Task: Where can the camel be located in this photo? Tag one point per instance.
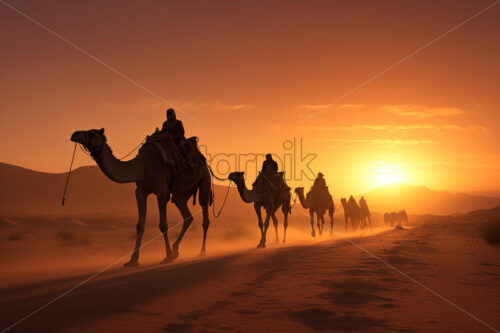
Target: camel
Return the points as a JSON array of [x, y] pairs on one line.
[[152, 176], [403, 216], [319, 208], [270, 198], [364, 213], [396, 218], [351, 211], [387, 219]]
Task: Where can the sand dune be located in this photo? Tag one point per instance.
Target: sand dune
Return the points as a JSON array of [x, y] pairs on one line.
[[307, 285]]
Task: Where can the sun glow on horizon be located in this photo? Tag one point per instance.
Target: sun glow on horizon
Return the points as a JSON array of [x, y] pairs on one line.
[[385, 173]]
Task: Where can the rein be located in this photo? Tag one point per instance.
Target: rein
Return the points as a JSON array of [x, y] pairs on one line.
[[213, 192], [294, 201], [98, 152], [67, 179]]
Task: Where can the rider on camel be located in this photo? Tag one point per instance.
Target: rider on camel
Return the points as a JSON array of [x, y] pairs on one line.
[[319, 183], [270, 172], [174, 127]]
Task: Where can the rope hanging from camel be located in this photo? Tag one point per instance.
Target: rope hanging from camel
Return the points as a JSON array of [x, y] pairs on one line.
[[67, 179], [213, 192], [87, 152], [136, 147], [294, 201]]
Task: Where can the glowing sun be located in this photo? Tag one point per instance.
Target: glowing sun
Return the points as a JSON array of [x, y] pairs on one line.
[[385, 173]]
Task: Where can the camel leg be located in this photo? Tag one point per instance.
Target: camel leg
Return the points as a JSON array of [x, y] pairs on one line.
[[345, 219], [311, 216], [285, 222], [261, 224], [204, 200], [266, 226], [206, 224], [275, 222], [370, 220], [162, 207], [330, 213], [322, 220], [188, 218], [141, 198], [318, 222]]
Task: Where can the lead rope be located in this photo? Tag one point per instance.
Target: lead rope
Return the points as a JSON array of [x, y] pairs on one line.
[[294, 202], [139, 145], [87, 152], [67, 179], [213, 192]]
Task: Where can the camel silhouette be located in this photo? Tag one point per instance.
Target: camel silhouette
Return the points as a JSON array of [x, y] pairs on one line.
[[152, 176], [271, 198], [364, 213], [396, 218], [351, 211], [319, 206]]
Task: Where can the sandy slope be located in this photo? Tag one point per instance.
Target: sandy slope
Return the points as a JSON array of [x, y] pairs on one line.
[[327, 285]]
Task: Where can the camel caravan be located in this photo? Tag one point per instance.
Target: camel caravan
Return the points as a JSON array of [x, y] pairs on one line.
[[396, 218], [356, 214], [171, 167]]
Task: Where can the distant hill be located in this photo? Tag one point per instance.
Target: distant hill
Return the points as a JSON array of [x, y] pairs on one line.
[[24, 191], [422, 200]]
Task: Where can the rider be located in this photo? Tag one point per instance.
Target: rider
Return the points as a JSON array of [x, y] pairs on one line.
[[269, 166], [364, 207], [270, 171], [319, 183], [174, 127]]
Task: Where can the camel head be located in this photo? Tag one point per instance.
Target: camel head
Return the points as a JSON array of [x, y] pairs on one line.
[[91, 139], [299, 190], [343, 201], [237, 177]]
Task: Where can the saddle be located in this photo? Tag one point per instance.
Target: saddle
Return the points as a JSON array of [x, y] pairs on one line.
[[171, 153], [275, 180]]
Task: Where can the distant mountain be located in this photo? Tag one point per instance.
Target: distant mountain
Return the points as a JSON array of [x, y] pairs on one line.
[[422, 200], [24, 191]]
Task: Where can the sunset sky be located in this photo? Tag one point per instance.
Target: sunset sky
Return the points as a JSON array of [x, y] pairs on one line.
[[245, 76]]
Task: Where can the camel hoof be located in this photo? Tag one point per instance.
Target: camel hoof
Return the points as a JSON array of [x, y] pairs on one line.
[[277, 241], [313, 234], [202, 254], [168, 260], [261, 246], [131, 264], [284, 241], [175, 253]]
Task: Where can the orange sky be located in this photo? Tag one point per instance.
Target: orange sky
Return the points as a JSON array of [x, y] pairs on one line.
[[251, 72]]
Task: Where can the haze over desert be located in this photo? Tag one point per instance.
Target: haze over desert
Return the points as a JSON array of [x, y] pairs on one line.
[[249, 166]]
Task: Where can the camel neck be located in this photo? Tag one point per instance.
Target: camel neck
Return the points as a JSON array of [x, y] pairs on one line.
[[245, 194], [303, 201], [116, 170]]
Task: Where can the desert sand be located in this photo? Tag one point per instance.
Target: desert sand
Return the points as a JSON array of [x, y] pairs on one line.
[[352, 282]]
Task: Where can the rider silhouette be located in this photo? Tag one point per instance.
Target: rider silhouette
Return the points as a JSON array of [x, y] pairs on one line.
[[319, 182], [269, 165], [174, 127]]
